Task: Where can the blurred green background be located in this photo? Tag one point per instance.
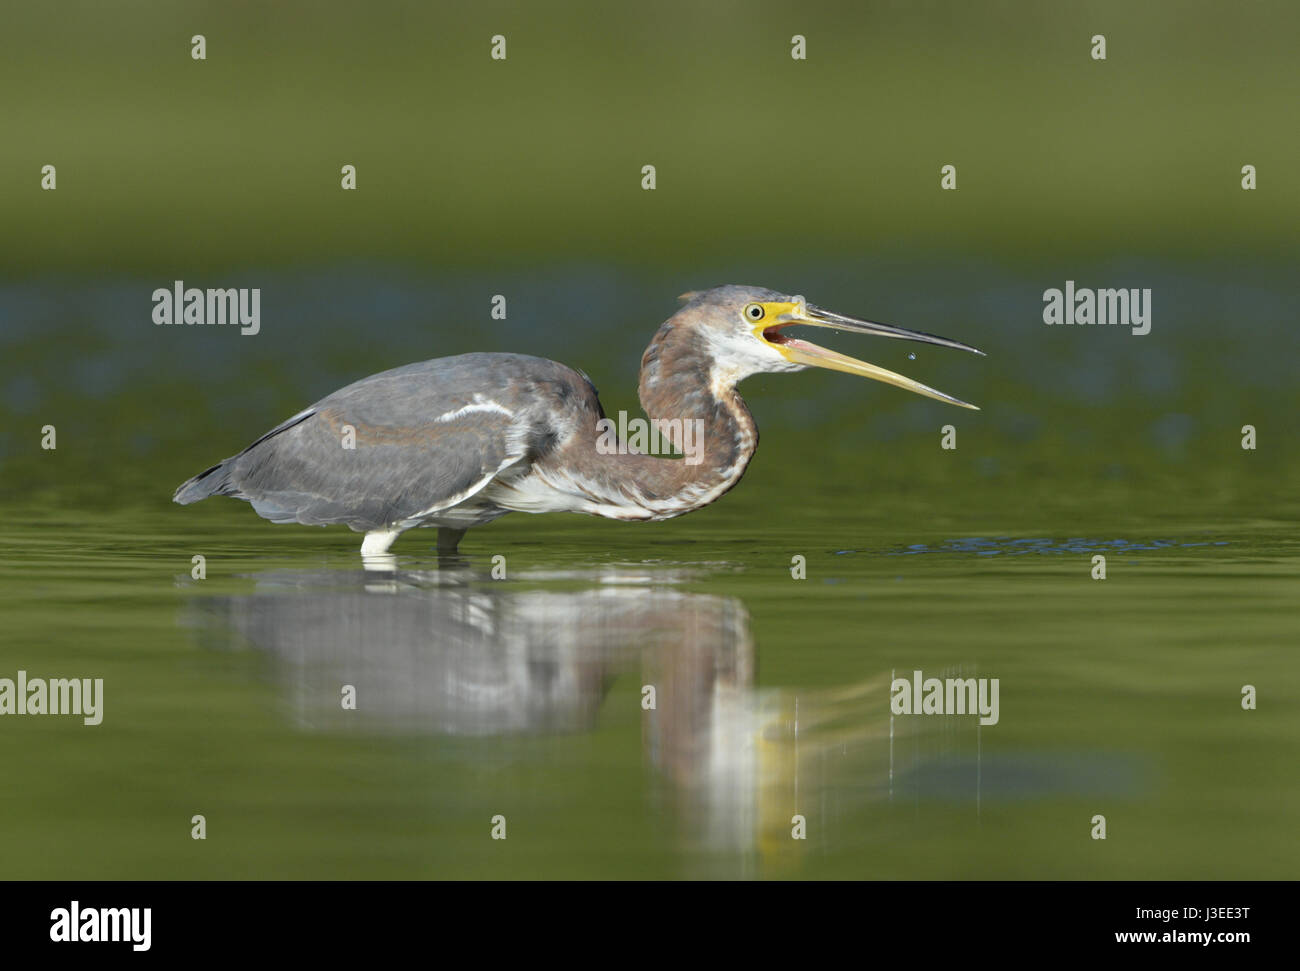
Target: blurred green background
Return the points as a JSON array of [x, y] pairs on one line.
[[168, 163], [523, 178]]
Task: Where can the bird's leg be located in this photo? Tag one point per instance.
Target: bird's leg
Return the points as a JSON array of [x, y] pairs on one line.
[[449, 539], [377, 541]]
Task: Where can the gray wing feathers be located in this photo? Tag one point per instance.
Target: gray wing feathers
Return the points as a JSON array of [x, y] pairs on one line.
[[427, 436], [305, 475]]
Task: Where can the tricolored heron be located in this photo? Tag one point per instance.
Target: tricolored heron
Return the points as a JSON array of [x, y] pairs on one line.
[[459, 441]]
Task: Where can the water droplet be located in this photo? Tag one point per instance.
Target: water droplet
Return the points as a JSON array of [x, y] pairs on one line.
[[911, 357]]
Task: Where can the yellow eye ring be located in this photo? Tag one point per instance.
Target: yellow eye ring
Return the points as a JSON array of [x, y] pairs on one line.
[[755, 311]]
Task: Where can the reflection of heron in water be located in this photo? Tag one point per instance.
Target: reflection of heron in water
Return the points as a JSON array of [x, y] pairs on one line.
[[442, 653], [445, 653]]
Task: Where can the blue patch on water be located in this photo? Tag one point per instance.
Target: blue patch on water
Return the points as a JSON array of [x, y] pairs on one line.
[[1028, 776], [1005, 545]]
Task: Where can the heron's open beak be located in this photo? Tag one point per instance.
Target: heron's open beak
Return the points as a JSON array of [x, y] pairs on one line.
[[781, 315]]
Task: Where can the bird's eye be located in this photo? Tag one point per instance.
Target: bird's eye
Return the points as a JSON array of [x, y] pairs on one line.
[[755, 311]]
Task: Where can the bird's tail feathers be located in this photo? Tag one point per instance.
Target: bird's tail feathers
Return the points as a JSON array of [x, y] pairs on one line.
[[211, 482]]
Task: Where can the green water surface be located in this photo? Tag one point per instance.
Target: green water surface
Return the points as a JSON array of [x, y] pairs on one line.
[[522, 697]]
